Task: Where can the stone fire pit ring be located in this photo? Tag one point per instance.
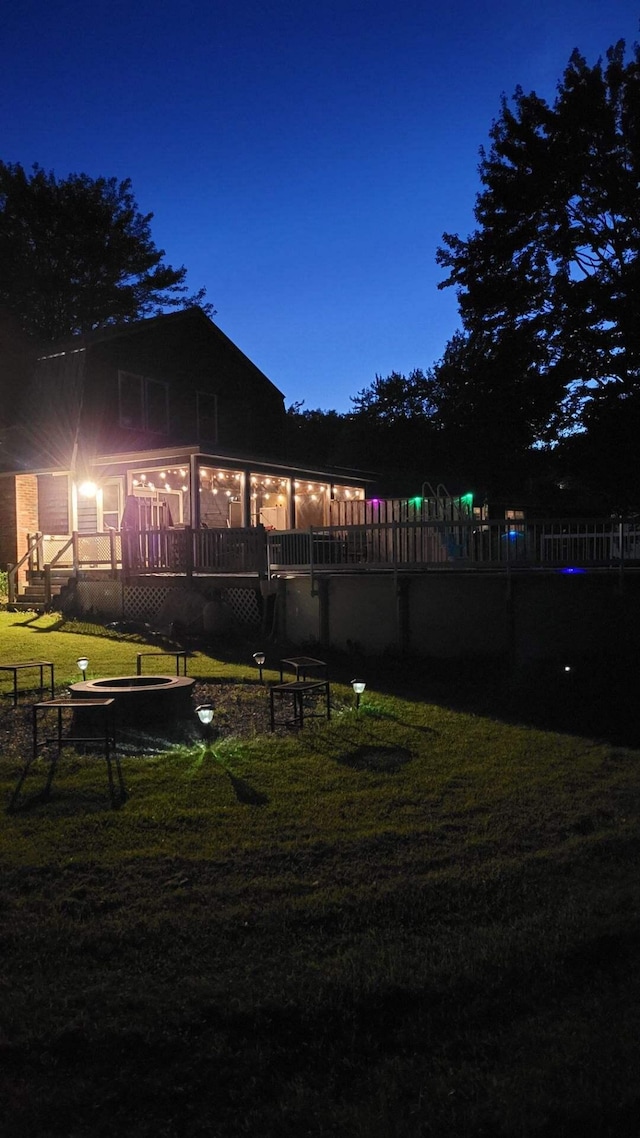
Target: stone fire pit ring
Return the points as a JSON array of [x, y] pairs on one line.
[[141, 699]]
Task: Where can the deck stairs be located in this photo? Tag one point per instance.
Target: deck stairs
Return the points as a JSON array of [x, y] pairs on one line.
[[33, 598]]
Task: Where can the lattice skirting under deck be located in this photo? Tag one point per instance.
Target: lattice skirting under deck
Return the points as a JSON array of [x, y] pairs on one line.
[[110, 599]]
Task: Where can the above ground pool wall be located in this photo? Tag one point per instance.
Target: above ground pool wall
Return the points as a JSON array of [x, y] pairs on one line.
[[520, 617]]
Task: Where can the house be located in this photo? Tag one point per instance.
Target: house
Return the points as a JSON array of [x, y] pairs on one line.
[[163, 423]]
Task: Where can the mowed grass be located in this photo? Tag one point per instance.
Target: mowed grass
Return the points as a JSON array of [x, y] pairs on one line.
[[409, 921]]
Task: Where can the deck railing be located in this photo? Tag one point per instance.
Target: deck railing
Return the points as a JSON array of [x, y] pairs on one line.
[[575, 543], [182, 551], [491, 544]]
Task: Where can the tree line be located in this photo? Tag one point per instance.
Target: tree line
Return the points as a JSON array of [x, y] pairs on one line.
[[536, 394]]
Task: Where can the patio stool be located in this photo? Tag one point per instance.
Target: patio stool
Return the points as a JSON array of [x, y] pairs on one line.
[[291, 702], [20, 665]]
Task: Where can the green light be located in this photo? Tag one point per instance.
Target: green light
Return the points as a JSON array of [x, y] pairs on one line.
[[467, 498], [415, 501]]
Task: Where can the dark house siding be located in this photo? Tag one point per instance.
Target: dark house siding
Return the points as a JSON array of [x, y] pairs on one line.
[[141, 385]]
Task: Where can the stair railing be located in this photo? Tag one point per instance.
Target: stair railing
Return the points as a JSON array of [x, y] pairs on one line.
[[48, 593], [34, 554]]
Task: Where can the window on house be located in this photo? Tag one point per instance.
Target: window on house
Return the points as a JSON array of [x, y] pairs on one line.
[[111, 505], [144, 403], [207, 410], [53, 503]]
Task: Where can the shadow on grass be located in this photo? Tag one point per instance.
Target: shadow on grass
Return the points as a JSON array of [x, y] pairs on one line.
[[244, 792], [386, 760], [35, 616]]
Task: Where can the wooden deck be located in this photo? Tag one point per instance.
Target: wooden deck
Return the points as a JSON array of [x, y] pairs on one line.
[[571, 545]]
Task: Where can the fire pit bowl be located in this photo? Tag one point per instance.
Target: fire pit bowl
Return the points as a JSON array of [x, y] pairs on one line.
[[141, 699]]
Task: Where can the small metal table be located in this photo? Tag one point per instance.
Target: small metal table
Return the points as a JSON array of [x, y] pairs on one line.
[[105, 735], [302, 666], [292, 695], [180, 655], [18, 666]]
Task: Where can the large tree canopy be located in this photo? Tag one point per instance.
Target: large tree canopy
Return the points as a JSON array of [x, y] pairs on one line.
[[77, 254], [549, 282]]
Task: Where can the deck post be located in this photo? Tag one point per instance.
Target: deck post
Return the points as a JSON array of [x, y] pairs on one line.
[[188, 552], [323, 611], [113, 553], [47, 586], [403, 614]]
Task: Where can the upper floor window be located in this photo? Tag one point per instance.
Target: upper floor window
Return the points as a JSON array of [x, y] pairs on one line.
[[144, 403], [207, 409]]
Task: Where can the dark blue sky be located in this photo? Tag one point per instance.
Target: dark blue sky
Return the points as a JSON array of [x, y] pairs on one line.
[[301, 157]]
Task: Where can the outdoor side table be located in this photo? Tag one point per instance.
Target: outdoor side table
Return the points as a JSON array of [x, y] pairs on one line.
[[302, 666], [105, 735], [18, 666], [180, 655], [291, 702]]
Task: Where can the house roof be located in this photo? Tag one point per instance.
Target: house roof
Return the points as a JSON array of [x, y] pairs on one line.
[[230, 460], [192, 315]]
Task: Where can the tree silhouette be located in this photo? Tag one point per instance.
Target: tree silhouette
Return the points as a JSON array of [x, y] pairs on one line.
[[77, 254]]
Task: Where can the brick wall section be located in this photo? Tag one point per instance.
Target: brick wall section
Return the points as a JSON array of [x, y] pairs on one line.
[[26, 507]]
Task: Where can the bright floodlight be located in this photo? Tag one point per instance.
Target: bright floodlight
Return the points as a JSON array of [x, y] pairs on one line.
[[205, 713]]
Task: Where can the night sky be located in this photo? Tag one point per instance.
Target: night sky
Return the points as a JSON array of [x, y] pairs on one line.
[[302, 158]]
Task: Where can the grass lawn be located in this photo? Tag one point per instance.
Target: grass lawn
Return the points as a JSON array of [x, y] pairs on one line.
[[412, 921]]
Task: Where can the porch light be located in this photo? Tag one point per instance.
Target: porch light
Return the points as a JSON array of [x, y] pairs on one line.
[[358, 687], [83, 664], [260, 658], [88, 489]]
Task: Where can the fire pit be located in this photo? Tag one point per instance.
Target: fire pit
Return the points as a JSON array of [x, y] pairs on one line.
[[141, 699]]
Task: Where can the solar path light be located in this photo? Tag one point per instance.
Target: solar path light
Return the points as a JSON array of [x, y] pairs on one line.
[[358, 687]]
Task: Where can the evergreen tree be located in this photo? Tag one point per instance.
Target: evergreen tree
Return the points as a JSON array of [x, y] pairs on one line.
[[78, 254], [549, 282]]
